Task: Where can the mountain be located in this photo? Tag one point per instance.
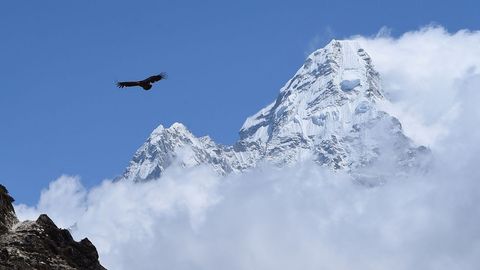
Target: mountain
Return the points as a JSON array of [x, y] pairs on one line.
[[40, 244], [328, 112]]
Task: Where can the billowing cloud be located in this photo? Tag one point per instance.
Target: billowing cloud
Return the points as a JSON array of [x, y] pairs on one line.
[[306, 217], [280, 219], [423, 73]]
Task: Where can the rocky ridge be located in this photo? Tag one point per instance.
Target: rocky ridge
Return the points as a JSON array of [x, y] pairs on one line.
[[40, 244]]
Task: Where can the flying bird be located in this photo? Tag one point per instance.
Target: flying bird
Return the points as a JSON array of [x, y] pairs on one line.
[[145, 84]]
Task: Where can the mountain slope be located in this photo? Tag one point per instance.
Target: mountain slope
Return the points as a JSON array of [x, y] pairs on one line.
[[328, 112]]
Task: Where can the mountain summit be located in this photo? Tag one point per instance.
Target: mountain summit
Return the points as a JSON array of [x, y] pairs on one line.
[[328, 112]]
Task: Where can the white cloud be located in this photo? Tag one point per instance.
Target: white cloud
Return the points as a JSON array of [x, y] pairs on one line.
[[422, 72], [302, 217], [306, 217], [64, 199]]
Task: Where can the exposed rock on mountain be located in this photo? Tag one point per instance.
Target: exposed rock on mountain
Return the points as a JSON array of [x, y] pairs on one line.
[[40, 244], [328, 112]]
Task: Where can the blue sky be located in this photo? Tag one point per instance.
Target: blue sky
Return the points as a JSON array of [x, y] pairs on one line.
[[60, 112]]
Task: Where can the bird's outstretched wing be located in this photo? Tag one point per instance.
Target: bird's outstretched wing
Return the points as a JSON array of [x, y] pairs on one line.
[[127, 84], [156, 78]]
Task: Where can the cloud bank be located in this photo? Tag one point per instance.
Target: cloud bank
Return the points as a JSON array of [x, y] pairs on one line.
[[423, 73], [306, 217]]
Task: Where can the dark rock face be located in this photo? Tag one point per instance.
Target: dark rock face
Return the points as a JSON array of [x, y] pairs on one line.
[[7, 214], [40, 244]]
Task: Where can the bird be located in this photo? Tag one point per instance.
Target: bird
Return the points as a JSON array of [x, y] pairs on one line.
[[145, 84]]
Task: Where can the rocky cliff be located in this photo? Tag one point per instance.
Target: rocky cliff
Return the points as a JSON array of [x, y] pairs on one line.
[[40, 244]]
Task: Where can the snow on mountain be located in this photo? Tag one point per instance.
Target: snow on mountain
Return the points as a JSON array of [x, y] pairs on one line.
[[328, 112], [166, 146]]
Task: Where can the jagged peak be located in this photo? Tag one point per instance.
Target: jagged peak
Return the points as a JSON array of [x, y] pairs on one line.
[[338, 45], [174, 128], [342, 63], [178, 126], [340, 74], [158, 130]]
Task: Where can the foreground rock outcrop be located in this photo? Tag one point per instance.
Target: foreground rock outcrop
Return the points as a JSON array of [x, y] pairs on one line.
[[40, 244]]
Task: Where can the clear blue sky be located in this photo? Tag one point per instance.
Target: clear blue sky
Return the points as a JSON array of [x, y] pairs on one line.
[[60, 112]]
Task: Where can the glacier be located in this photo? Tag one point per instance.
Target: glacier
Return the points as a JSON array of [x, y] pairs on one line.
[[329, 112]]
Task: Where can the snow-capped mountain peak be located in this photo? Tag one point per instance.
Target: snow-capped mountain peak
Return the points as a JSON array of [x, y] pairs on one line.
[[337, 75], [327, 112], [166, 146]]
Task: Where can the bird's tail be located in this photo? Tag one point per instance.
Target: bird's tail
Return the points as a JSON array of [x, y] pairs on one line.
[[164, 75]]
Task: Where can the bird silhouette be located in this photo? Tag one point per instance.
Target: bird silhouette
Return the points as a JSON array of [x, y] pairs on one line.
[[145, 84]]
